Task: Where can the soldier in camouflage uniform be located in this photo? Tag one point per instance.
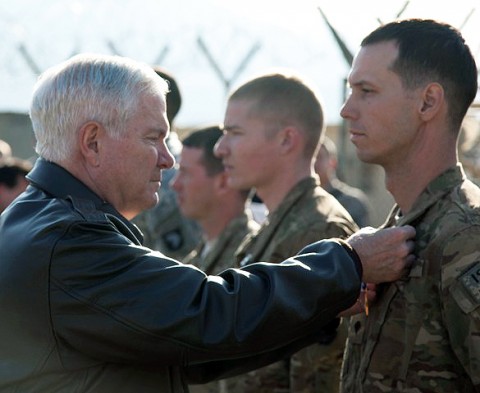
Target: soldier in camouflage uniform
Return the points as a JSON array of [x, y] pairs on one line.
[[203, 194], [272, 130], [221, 254], [164, 227], [353, 199], [412, 83]]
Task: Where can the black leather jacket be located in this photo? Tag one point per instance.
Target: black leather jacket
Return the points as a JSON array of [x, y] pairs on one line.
[[85, 308]]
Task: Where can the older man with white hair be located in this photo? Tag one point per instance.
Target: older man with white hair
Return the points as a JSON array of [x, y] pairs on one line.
[[85, 307]]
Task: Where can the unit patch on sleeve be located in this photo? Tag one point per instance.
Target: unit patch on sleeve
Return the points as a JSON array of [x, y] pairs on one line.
[[471, 281]]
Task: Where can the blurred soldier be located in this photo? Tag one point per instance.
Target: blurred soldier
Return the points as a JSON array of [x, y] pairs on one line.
[[412, 82], [5, 149], [469, 147], [204, 196], [272, 128], [353, 199], [164, 227], [12, 179]]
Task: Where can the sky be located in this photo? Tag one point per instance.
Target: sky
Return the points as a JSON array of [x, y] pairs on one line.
[[244, 38]]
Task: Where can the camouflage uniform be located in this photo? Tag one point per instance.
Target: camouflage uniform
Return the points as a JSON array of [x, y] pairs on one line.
[[220, 257], [306, 215], [353, 199], [422, 334], [166, 229]]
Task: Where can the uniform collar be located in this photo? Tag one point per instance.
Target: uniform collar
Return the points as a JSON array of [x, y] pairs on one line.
[[296, 192], [436, 189]]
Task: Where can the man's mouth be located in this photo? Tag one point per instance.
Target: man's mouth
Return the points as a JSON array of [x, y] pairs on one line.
[[355, 135]]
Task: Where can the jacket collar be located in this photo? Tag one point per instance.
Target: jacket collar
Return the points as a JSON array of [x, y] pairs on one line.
[[58, 182]]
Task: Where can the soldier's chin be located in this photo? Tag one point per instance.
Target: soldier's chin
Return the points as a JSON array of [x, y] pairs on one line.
[[236, 183]]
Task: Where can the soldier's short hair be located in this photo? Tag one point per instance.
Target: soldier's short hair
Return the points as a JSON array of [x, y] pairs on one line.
[[285, 99], [431, 51], [205, 139]]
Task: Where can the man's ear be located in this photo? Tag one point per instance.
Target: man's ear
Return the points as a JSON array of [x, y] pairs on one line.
[[433, 99], [221, 182], [89, 140]]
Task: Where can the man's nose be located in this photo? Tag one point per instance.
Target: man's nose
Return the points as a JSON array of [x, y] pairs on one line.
[[219, 149], [166, 160]]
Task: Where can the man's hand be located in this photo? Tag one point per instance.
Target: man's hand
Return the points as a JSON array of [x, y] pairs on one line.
[[386, 254]]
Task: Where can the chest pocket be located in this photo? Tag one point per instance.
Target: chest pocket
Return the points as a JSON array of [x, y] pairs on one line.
[[383, 343], [396, 329]]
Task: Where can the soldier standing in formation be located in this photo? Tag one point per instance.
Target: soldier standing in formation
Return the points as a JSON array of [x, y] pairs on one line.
[[272, 130], [412, 82]]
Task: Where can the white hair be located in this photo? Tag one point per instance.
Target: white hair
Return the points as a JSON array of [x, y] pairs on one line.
[[86, 88]]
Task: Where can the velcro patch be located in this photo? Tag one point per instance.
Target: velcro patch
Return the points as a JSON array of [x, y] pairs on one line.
[[471, 281], [173, 240]]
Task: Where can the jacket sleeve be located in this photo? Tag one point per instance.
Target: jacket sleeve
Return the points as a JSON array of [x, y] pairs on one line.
[[114, 301]]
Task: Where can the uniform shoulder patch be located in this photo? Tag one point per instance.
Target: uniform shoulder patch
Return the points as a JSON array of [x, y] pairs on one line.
[[470, 281], [173, 240]]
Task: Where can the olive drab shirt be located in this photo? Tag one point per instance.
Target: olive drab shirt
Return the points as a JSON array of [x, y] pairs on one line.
[[353, 199], [166, 229], [222, 254], [220, 257], [422, 333], [306, 215]]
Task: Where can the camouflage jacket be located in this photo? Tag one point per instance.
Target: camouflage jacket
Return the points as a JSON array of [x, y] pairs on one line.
[[353, 199], [222, 254], [166, 229], [220, 257], [306, 215], [423, 333]]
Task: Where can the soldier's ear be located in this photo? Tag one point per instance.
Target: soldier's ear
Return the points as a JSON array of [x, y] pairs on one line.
[[433, 98], [221, 182], [288, 138]]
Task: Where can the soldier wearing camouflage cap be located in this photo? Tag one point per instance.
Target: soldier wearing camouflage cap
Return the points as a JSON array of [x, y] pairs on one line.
[[412, 82]]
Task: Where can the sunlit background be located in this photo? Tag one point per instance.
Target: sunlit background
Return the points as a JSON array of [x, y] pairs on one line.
[[209, 45]]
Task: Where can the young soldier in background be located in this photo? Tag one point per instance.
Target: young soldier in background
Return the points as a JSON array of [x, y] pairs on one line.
[[273, 126]]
